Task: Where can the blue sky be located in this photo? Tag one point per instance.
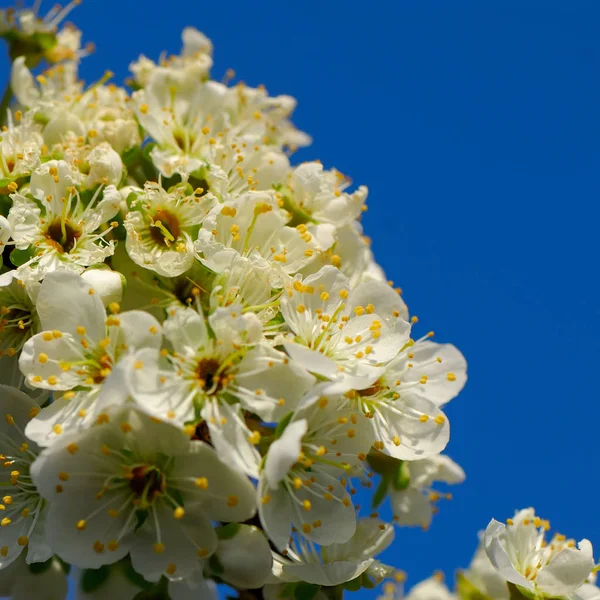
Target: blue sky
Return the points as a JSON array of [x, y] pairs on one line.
[[475, 126]]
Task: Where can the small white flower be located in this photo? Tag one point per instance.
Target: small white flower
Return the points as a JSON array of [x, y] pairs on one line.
[[139, 486], [81, 352], [252, 228], [192, 66], [160, 226], [519, 552], [413, 498], [312, 194], [20, 147], [23, 511], [336, 563], [211, 366], [56, 226], [403, 403], [339, 333], [300, 479]]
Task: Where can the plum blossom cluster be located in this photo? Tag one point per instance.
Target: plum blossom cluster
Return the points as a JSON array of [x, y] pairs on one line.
[[200, 359]]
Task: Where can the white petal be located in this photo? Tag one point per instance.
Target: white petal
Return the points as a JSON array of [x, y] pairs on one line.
[[275, 511], [67, 301], [246, 558], [284, 452], [496, 552], [182, 539], [566, 571]]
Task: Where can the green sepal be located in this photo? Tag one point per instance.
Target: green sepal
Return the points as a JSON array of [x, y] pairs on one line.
[[283, 424], [214, 564], [226, 532], [401, 479], [381, 491], [20, 257], [465, 590], [40, 567], [305, 591], [141, 516]]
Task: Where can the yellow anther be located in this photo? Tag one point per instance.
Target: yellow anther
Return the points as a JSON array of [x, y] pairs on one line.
[[321, 450], [126, 427], [232, 501], [306, 505], [323, 401], [297, 483], [6, 521], [34, 411], [301, 308], [265, 499], [23, 540], [451, 377], [9, 419], [396, 440], [81, 525], [424, 418], [306, 528], [324, 296], [52, 380], [344, 294], [201, 483], [112, 546], [63, 476], [57, 429], [179, 513], [171, 568], [440, 419], [7, 500], [43, 357], [56, 334], [159, 548], [254, 437], [4, 551]]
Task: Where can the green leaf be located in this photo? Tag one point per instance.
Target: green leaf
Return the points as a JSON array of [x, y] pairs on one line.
[[305, 591], [283, 424], [92, 579], [227, 531]]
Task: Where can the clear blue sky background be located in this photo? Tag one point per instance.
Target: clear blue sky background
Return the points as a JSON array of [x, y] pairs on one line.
[[476, 127]]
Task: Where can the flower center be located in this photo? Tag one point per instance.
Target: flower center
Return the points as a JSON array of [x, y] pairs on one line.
[[206, 374], [62, 236], [147, 483], [165, 228]]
